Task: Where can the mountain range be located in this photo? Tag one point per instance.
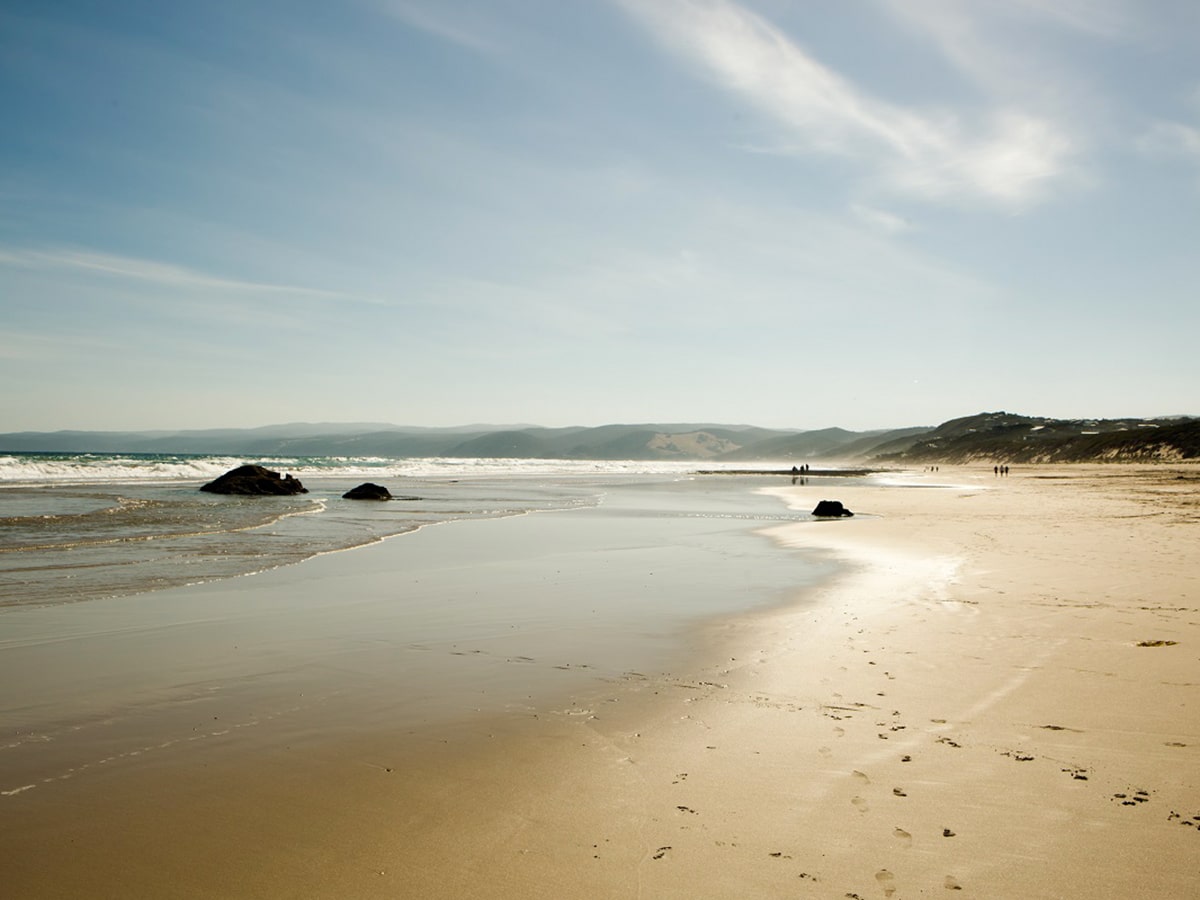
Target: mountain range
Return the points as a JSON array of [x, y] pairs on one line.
[[996, 436]]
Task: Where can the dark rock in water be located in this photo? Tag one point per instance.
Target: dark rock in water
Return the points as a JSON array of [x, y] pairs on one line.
[[368, 491], [255, 481], [831, 509]]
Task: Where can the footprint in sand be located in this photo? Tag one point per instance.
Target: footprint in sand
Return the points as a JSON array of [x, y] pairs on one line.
[[1136, 798], [951, 883], [861, 776], [903, 836], [887, 881], [861, 804]]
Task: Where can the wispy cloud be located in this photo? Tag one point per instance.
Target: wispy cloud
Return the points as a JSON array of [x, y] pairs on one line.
[[437, 22], [1172, 141], [993, 42], [25, 346], [1006, 156], [1102, 18], [880, 219], [163, 274]]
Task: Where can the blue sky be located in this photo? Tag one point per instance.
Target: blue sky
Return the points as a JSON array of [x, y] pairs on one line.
[[779, 212]]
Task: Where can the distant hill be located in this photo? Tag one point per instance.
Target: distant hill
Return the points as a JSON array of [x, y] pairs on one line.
[[996, 437], [698, 441], [609, 441], [827, 443], [1003, 437]]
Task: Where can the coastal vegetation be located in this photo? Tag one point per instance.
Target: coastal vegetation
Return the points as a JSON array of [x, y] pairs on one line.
[[1008, 438]]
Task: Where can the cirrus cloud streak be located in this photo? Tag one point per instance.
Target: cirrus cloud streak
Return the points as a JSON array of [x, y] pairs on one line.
[[1003, 157]]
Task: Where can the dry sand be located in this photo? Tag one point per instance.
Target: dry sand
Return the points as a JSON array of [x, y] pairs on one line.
[[999, 700]]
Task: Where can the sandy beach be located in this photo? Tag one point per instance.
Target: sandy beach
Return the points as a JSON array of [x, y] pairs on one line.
[[998, 697]]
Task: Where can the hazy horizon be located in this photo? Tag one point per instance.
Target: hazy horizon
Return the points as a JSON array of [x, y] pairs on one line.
[[353, 427], [881, 215]]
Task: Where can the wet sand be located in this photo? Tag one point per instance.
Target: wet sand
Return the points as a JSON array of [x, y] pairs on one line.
[[997, 699], [147, 727]]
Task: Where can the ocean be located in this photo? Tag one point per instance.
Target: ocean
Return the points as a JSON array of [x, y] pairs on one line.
[[77, 527]]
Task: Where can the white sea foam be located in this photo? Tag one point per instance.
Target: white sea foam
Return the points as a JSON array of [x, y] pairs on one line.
[[451, 467], [96, 468], [108, 468]]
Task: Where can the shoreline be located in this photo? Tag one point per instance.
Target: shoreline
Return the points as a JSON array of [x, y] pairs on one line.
[[977, 704], [433, 640]]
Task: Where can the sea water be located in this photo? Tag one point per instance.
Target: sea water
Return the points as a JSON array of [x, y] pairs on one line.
[[76, 527], [124, 635]]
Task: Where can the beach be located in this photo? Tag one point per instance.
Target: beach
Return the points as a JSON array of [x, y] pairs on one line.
[[976, 686]]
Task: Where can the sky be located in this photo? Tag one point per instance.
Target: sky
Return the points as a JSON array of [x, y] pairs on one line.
[[786, 213]]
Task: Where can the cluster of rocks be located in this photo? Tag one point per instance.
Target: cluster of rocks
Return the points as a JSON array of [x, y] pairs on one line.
[[258, 481]]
